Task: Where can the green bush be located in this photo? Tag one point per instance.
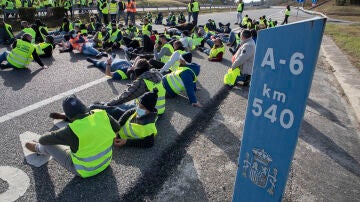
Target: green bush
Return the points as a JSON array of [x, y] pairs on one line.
[[27, 14]]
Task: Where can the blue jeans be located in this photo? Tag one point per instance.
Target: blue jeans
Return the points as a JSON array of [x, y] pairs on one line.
[[88, 49], [3, 56], [232, 37], [130, 15], [117, 64], [242, 77], [195, 17]]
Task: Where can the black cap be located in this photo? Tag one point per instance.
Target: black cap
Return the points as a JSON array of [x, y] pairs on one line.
[[149, 99], [187, 57], [74, 107]]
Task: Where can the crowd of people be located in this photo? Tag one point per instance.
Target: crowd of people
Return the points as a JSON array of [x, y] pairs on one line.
[[158, 66]]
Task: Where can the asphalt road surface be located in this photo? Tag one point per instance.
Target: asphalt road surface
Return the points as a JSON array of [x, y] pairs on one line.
[[27, 98]]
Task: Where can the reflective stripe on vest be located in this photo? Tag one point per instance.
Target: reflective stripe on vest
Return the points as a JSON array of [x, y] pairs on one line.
[[21, 55], [136, 131], [113, 7], [96, 138], [32, 32], [175, 82], [196, 7], [166, 58], [160, 103], [122, 74], [215, 51], [176, 65]]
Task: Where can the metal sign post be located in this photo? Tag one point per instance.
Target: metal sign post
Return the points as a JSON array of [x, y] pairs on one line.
[[284, 66]]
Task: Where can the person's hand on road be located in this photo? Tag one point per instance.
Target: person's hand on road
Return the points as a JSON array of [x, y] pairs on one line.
[[119, 142], [197, 105]]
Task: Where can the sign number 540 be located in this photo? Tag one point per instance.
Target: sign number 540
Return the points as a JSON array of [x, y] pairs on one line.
[[286, 118]]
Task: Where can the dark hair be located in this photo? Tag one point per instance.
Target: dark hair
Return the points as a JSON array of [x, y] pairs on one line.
[[185, 33], [253, 33], [141, 66], [246, 33]]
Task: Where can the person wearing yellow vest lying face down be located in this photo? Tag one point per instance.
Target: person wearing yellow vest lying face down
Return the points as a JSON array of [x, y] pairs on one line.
[[84, 147], [183, 79], [138, 127], [21, 55]]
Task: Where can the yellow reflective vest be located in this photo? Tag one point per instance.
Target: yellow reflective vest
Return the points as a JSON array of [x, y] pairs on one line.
[[240, 7], [7, 28], [113, 7], [113, 35], [160, 103], [175, 82], [41, 46], [175, 66], [136, 131], [231, 75], [30, 31], [21, 56], [145, 29], [196, 7], [215, 51], [287, 12], [166, 58], [96, 138]]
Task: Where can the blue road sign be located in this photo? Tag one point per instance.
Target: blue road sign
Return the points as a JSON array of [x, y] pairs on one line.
[[300, 1], [284, 66], [314, 1]]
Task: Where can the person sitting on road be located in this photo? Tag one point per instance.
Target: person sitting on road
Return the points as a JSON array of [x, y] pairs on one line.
[[27, 28], [80, 43], [21, 55], [159, 18], [89, 138], [173, 63], [186, 40], [6, 33], [217, 49], [138, 128], [41, 31], [171, 20], [183, 79], [181, 18], [99, 36], [45, 49], [242, 62], [163, 56], [144, 80], [112, 40]]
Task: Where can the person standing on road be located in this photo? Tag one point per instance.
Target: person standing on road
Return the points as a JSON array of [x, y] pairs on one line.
[[121, 11], [189, 9], [130, 11], [240, 10], [195, 11], [287, 14], [242, 61], [22, 54], [89, 136]]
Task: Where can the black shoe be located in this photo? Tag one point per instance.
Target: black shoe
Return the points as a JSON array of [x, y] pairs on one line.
[[91, 60], [103, 54]]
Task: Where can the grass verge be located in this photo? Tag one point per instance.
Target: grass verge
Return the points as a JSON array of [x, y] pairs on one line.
[[347, 37]]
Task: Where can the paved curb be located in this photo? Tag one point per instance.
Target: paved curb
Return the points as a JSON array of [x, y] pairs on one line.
[[346, 74]]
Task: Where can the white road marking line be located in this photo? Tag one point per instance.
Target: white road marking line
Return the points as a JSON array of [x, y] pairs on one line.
[[17, 180], [42, 103]]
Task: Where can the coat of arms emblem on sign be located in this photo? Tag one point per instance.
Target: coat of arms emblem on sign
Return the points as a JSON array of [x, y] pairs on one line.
[[257, 168]]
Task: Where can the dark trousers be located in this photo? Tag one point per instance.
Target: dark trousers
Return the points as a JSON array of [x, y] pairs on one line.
[[285, 20], [195, 17], [106, 19], [156, 64]]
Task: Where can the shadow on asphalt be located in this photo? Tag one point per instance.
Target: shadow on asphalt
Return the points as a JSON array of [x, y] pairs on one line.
[[17, 78], [45, 189], [325, 112], [314, 137]]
